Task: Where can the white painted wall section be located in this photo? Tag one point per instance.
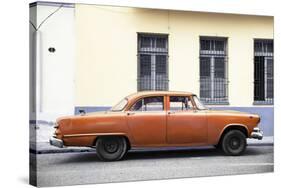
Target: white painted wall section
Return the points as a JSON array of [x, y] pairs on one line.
[[55, 71]]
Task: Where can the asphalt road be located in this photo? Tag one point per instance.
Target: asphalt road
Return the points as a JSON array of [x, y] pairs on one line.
[[85, 168]]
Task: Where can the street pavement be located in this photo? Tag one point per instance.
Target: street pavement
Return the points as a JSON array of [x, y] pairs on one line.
[[70, 168]]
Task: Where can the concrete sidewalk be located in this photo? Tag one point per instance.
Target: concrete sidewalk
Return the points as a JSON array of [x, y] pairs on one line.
[[267, 140], [45, 147]]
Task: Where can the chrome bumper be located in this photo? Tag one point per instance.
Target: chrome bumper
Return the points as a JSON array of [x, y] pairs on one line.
[[56, 142], [257, 133]]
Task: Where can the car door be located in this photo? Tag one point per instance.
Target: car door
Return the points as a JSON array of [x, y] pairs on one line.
[[147, 121], [185, 124]]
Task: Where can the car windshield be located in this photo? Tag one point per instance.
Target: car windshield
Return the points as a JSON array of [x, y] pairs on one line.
[[120, 106], [199, 104]]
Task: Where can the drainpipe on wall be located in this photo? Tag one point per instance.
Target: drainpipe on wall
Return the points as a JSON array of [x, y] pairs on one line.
[[39, 72]]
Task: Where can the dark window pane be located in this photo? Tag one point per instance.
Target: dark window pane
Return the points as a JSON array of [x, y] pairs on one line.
[[259, 79], [161, 72], [269, 78], [146, 42], [269, 68], [219, 77], [219, 88], [270, 88], [219, 67], [216, 45], [219, 45], [270, 46], [160, 42], [258, 46], [144, 80], [205, 44], [205, 88], [205, 67], [205, 77], [145, 65], [161, 64], [263, 46]]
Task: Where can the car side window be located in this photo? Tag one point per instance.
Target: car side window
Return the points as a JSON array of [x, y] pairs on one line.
[[180, 103], [149, 104]]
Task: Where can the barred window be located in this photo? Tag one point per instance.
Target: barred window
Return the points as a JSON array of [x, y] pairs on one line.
[[152, 62], [213, 70], [263, 71]]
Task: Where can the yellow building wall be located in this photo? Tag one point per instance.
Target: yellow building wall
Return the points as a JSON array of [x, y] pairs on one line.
[[106, 50]]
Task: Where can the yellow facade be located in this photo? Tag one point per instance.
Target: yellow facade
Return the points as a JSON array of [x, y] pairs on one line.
[[106, 50]]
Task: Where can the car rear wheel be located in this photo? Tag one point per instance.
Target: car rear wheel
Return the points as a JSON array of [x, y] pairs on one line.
[[234, 142], [111, 148]]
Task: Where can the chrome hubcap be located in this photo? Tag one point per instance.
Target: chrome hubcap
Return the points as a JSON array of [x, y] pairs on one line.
[[110, 146], [234, 143]]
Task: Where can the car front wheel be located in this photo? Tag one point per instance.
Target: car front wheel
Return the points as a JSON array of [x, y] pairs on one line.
[[234, 142], [111, 148]]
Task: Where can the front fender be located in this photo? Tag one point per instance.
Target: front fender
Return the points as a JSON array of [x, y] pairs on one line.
[[233, 126]]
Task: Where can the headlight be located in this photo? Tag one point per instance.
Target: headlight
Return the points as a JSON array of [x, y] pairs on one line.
[[259, 120]]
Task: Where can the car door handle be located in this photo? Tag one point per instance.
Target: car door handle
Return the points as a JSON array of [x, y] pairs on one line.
[[170, 112], [130, 113]]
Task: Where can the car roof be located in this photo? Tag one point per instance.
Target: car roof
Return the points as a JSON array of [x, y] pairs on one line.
[[153, 93]]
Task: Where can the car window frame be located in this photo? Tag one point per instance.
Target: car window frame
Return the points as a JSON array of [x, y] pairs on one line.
[[140, 98], [124, 107], [193, 107], [195, 104]]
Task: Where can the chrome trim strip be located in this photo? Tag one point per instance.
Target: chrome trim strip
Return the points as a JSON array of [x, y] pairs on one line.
[[256, 129], [91, 134]]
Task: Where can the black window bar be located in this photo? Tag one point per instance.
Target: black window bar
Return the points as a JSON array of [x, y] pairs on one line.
[[213, 70], [152, 62], [263, 71]]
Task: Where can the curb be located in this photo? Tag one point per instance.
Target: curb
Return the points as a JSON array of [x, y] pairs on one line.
[[261, 144], [61, 151]]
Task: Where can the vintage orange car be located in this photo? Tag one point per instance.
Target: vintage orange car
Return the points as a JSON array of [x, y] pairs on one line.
[[157, 119]]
